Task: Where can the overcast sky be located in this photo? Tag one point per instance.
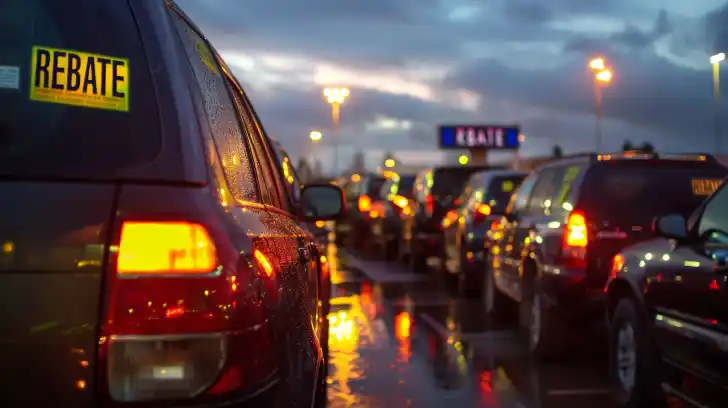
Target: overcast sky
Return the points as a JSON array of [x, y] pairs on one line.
[[411, 64]]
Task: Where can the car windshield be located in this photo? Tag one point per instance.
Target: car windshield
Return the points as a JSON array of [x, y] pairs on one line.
[[499, 192]]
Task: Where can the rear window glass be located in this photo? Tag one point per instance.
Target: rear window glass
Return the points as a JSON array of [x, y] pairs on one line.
[[374, 187], [406, 186], [643, 190], [500, 190], [450, 181], [76, 96]]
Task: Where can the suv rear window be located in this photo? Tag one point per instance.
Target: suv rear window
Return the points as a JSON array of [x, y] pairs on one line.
[[640, 190], [406, 185], [500, 190], [450, 181], [76, 96], [374, 187]]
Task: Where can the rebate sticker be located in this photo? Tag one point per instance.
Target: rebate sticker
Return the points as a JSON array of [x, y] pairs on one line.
[[705, 187], [80, 79]]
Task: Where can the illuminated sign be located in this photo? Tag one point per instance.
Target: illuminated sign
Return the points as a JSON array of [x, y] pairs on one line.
[[478, 137]]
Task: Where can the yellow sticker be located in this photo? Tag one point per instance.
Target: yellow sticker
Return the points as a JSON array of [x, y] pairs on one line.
[[206, 56], [80, 79], [507, 186], [705, 187]]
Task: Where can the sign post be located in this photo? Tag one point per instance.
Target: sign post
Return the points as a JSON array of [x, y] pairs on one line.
[[479, 139]]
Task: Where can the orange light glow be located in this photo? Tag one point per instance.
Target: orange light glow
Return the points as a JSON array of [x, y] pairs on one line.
[[365, 203], [175, 247], [173, 312], [263, 262], [604, 76], [576, 235], [403, 325], [617, 264], [400, 201], [484, 209], [597, 64], [320, 224]]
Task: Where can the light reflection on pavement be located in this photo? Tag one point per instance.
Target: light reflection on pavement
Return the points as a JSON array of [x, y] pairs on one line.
[[397, 341]]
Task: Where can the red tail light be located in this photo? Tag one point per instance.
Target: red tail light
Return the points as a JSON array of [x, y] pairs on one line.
[[576, 230], [182, 319], [576, 239], [429, 204], [365, 203]]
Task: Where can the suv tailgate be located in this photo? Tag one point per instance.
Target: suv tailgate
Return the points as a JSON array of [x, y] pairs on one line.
[[53, 238]]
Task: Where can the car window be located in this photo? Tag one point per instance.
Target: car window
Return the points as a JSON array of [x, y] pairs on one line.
[[519, 200], [544, 190], [499, 191], [221, 112], [292, 182], [715, 214], [264, 160], [59, 115], [567, 188], [405, 186]]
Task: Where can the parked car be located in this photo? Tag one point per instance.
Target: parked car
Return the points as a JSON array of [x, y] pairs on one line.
[[150, 255], [437, 191], [362, 195], [465, 227], [387, 221], [667, 305], [565, 224]]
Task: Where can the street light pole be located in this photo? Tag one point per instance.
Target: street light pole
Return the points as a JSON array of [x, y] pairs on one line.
[[335, 97], [602, 77], [716, 60]]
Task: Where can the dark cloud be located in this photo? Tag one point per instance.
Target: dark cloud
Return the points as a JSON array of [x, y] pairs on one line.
[[717, 29]]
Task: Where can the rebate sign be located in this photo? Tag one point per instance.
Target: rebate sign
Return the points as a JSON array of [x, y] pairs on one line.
[[479, 137]]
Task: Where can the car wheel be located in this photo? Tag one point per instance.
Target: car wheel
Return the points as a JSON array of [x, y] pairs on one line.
[[546, 334], [634, 359]]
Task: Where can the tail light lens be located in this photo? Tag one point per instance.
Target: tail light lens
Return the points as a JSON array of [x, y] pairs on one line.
[[365, 203], [576, 238], [617, 264], [480, 214], [429, 204], [178, 323]]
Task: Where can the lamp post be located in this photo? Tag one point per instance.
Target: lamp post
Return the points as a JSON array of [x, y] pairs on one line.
[[335, 97], [602, 77], [716, 60]]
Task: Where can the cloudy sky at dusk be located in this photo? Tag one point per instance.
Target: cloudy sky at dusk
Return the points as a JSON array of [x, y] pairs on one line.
[[411, 64]]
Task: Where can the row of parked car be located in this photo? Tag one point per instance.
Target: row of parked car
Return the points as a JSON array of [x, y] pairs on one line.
[[631, 244]]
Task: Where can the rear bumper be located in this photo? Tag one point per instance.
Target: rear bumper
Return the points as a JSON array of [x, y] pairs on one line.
[[570, 294]]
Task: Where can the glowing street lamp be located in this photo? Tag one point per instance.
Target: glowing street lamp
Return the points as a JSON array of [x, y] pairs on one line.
[[597, 64], [604, 76], [315, 136], [389, 163], [335, 97], [463, 159]]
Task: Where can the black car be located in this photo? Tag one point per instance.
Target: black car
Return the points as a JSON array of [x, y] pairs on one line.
[[437, 191], [565, 224], [466, 227], [151, 254], [397, 191], [667, 305]]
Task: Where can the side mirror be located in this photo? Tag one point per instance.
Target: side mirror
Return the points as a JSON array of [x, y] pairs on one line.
[[672, 226], [322, 202]]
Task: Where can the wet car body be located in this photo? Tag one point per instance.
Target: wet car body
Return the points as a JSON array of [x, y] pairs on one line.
[[565, 224], [668, 296], [386, 227], [466, 228], [149, 256]]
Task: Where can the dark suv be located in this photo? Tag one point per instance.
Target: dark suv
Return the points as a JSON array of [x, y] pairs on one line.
[[150, 253], [566, 222], [437, 191]]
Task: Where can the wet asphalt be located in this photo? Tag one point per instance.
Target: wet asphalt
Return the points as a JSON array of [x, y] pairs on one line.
[[398, 339]]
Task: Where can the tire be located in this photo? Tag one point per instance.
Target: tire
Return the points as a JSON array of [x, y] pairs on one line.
[[547, 335], [645, 390]]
